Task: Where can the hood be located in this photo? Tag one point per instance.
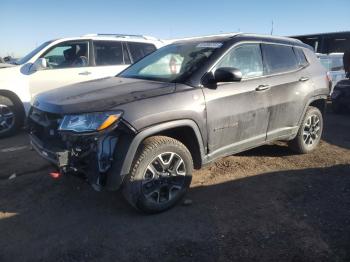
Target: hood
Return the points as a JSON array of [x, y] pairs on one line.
[[99, 95], [4, 65]]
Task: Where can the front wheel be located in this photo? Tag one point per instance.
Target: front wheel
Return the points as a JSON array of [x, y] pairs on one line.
[[160, 176], [11, 115], [310, 132]]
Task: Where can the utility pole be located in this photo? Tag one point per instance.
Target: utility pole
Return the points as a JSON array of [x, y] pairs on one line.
[[271, 27]]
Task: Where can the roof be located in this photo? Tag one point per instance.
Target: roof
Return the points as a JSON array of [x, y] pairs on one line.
[[124, 36], [228, 36], [224, 35], [119, 37], [323, 34], [273, 37]]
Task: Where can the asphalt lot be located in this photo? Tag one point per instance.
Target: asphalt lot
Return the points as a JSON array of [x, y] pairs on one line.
[[267, 204]]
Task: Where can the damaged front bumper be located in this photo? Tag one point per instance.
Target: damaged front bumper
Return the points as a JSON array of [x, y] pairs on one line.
[[56, 156], [97, 156]]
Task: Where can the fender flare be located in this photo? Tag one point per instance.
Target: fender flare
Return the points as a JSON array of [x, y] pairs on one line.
[[128, 149], [312, 99], [154, 130]]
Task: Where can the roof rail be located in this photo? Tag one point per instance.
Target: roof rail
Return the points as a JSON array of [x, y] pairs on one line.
[[124, 36], [206, 36], [275, 37]]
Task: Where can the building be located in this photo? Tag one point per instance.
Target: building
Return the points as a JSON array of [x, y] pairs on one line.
[[326, 43]]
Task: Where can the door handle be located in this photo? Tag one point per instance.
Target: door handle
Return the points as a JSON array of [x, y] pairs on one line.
[[303, 79], [85, 73], [262, 87]]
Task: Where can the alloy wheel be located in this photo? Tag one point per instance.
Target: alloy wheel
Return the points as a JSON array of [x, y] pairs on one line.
[[7, 118], [311, 130], [164, 178]]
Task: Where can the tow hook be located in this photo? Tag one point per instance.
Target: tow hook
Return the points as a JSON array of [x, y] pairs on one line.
[[55, 175]]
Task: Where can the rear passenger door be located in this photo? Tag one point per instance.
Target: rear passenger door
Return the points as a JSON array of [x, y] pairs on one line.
[[110, 58], [287, 79]]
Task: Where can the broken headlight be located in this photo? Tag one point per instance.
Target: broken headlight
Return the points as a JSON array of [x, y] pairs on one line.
[[89, 122]]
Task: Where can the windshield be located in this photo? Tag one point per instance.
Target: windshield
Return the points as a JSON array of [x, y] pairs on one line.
[[26, 58], [172, 63]]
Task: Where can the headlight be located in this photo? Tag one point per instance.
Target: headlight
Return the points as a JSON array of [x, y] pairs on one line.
[[90, 122]]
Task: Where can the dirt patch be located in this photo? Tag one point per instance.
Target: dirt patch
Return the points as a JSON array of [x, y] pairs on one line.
[[267, 204]]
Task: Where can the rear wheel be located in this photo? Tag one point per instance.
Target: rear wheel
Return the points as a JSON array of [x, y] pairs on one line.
[[11, 115], [310, 132], [160, 176]]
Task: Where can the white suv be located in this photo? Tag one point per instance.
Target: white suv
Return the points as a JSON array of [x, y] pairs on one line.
[[63, 62]]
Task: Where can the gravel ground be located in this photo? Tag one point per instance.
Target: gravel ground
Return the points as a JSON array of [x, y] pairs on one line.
[[266, 204]]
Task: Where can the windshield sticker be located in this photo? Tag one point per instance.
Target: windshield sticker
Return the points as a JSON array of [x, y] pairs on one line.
[[210, 45]]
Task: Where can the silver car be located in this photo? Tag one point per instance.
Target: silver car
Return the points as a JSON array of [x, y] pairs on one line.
[[334, 64]]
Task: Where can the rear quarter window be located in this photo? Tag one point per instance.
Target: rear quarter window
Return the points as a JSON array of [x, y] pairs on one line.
[[140, 50], [299, 53], [279, 58]]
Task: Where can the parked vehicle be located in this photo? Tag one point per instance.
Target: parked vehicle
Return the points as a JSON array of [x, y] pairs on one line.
[[341, 97], [5, 65], [334, 65], [63, 62], [179, 108]]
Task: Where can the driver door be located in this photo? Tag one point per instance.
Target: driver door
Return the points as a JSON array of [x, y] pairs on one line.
[[237, 112], [67, 63]]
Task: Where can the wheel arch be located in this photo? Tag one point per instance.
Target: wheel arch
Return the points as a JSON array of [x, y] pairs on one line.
[[319, 102], [186, 131], [15, 99]]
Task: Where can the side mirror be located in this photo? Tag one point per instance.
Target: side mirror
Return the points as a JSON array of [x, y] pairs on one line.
[[227, 74], [39, 64]]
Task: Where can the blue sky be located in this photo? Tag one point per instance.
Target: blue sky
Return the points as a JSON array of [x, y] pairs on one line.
[[27, 23]]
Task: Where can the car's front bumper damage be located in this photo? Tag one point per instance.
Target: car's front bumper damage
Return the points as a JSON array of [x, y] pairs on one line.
[[96, 156], [56, 156]]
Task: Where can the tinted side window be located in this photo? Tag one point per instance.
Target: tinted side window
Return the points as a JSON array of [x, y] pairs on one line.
[[279, 58], [140, 50], [246, 58], [300, 57], [108, 53]]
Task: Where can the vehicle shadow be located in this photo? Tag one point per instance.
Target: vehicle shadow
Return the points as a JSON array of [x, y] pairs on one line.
[[293, 215], [277, 149], [336, 132]]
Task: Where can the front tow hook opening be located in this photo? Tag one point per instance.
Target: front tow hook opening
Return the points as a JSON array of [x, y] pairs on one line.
[[55, 175]]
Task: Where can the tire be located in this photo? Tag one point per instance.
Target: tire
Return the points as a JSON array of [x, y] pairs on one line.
[[309, 133], [160, 176], [11, 115]]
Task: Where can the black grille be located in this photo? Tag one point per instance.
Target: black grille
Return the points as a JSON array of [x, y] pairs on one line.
[[44, 126]]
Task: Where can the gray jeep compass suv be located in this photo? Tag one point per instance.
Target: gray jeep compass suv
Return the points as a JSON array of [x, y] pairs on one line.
[[179, 108]]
